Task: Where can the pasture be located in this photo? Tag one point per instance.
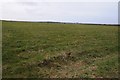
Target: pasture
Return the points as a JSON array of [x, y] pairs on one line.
[[55, 50]]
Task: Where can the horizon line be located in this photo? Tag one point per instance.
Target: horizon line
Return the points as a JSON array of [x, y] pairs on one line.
[[61, 22]]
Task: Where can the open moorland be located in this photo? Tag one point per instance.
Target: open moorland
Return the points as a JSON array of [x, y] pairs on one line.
[[56, 50]]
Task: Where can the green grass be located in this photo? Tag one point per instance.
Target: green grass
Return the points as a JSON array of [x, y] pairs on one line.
[[41, 50]]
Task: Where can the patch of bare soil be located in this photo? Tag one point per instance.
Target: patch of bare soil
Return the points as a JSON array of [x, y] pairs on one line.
[[65, 65], [57, 61]]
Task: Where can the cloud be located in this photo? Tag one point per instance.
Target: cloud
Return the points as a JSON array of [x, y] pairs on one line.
[[88, 12], [59, 0], [28, 3]]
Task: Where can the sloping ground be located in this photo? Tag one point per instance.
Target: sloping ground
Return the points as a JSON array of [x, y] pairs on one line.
[[59, 50]]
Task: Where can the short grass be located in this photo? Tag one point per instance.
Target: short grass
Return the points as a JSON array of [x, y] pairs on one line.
[[53, 50]]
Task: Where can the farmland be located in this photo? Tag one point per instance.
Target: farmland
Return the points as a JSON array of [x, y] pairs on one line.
[[55, 50]]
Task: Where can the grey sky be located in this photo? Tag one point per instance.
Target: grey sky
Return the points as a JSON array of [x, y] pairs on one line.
[[82, 11]]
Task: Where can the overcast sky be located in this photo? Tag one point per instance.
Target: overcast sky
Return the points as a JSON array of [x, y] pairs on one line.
[[82, 11]]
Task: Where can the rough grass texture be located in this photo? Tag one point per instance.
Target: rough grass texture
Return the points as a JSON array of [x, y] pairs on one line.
[[53, 50]]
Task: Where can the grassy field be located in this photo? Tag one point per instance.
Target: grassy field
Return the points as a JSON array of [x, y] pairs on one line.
[[54, 50]]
